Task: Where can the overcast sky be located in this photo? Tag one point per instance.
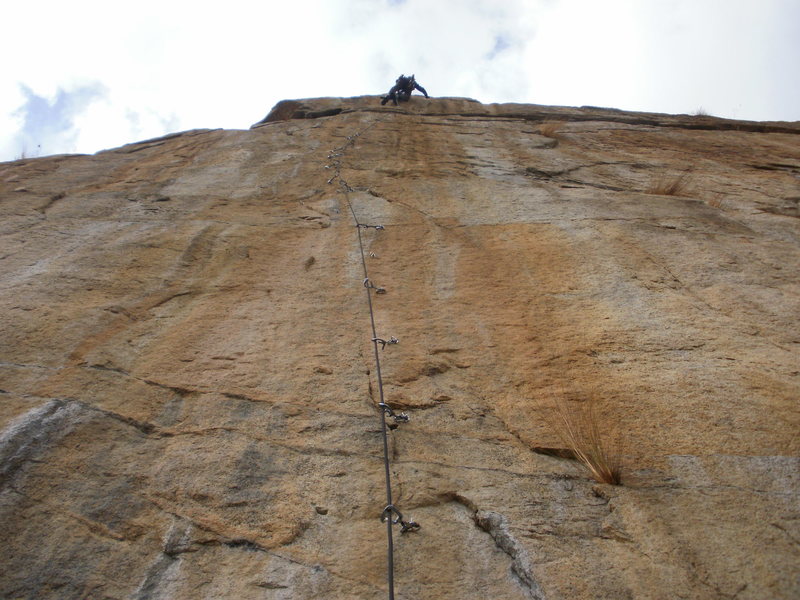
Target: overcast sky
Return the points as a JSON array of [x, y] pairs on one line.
[[85, 75]]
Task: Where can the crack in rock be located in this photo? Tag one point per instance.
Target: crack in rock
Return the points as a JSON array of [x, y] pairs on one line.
[[496, 526], [179, 540], [158, 576]]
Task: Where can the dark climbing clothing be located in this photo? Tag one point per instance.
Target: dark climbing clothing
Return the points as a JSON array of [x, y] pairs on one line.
[[401, 90]]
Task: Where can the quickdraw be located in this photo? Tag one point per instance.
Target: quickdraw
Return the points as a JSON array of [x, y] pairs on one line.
[[405, 526]]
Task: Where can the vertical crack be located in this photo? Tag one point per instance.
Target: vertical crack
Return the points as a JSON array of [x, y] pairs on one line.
[[176, 541], [496, 526]]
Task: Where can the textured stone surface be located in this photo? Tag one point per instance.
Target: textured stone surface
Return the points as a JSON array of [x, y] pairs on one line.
[[187, 391]]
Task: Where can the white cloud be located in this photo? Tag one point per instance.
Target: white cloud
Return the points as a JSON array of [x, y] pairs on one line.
[[48, 125], [176, 65], [585, 53], [729, 57]]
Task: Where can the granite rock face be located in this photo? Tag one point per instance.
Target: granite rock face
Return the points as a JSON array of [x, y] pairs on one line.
[[188, 395]]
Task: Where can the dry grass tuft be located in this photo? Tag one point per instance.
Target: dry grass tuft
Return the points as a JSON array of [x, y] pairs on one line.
[[718, 202], [591, 439], [551, 129], [671, 185]]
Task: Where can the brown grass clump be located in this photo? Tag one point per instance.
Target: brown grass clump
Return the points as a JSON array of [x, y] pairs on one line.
[[551, 129], [671, 185], [718, 202], [590, 438]]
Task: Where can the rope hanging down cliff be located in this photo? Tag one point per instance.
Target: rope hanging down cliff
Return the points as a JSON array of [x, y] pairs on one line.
[[391, 515]]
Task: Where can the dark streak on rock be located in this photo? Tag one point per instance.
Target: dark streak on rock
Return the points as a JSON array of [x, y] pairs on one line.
[[171, 297], [53, 199], [557, 452]]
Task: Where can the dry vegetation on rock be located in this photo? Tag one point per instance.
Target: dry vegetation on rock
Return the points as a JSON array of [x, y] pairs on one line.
[[551, 129], [591, 437], [671, 184]]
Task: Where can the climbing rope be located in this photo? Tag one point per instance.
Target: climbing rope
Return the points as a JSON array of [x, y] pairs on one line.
[[390, 515]]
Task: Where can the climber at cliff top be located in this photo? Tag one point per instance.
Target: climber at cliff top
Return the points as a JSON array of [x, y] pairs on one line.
[[401, 90]]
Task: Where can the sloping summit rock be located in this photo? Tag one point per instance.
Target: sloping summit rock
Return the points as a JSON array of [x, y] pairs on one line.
[[188, 395]]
